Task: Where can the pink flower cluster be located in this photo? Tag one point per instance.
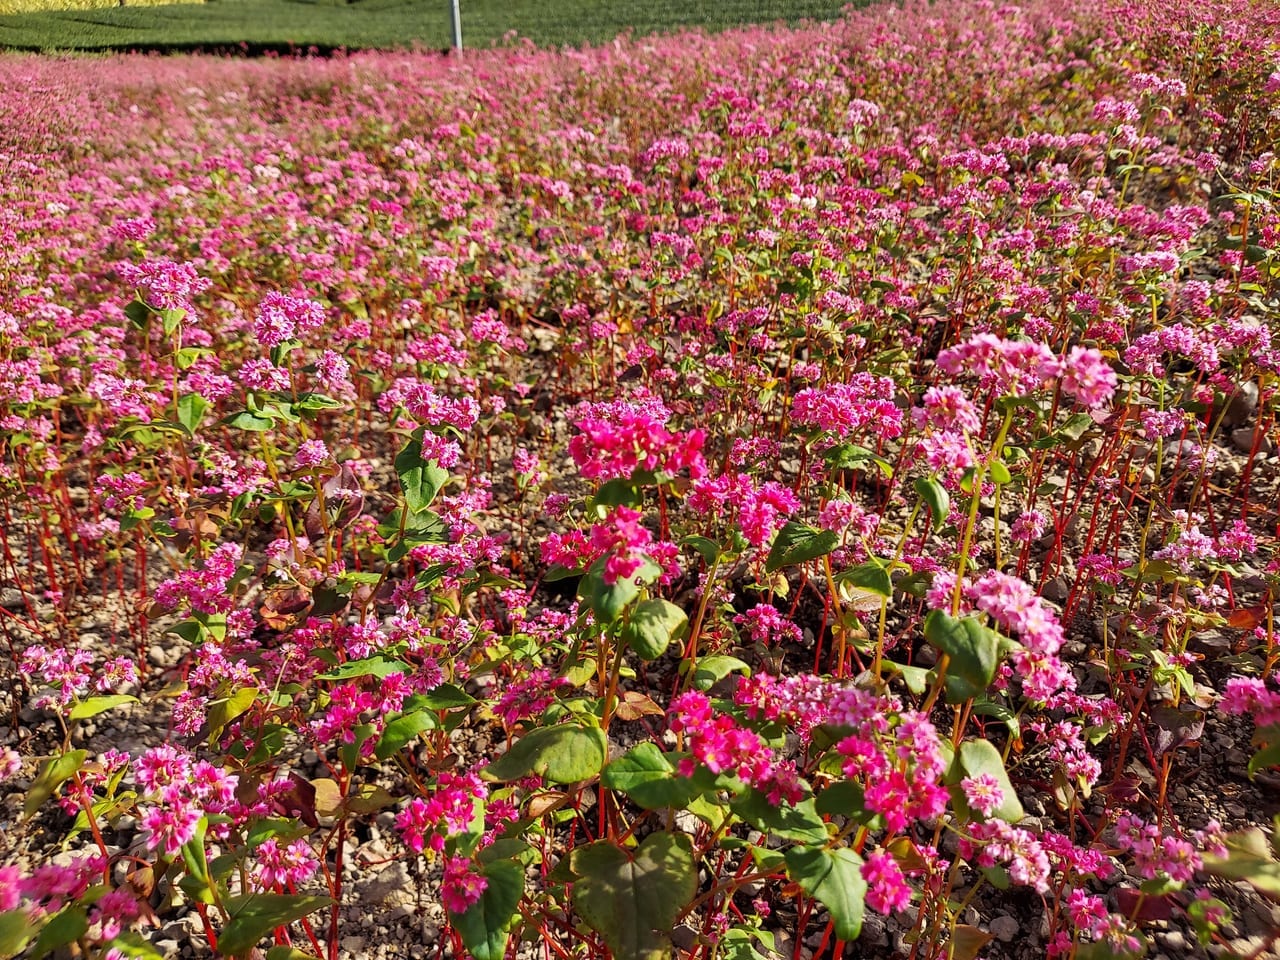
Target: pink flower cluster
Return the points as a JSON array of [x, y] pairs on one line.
[[1017, 367], [865, 403], [281, 317], [449, 811], [718, 743], [615, 440], [203, 590]]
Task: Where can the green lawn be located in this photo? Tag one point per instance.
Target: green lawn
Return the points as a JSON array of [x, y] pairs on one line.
[[328, 24]]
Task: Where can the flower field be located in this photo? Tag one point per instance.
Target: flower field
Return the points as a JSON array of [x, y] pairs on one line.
[[794, 493]]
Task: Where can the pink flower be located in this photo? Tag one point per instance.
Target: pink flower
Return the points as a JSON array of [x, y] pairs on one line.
[[982, 793], [887, 888], [461, 886]]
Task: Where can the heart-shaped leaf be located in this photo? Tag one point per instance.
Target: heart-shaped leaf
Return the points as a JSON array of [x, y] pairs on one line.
[[834, 878], [565, 753], [485, 925], [797, 542], [646, 776], [651, 627], [633, 902], [255, 915]]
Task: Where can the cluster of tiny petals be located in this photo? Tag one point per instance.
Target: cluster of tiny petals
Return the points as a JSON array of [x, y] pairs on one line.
[[865, 403], [719, 743], [281, 317], [1251, 697], [615, 440], [428, 822]]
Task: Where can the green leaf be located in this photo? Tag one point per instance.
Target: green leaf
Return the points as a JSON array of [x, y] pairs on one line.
[[935, 496], [565, 753], [799, 822], [1249, 857], [67, 926], [15, 931], [420, 479], [608, 600], [191, 408], [646, 776], [1268, 756], [96, 705], [171, 319], [798, 542], [973, 651], [443, 697], [369, 667], [980, 756], [138, 312], [616, 492], [249, 421], [872, 575], [652, 626], [1071, 430], [999, 471], [53, 773], [834, 879], [706, 548], [844, 798], [634, 902], [401, 730], [485, 925], [226, 709], [255, 915], [711, 670], [283, 952], [850, 456]]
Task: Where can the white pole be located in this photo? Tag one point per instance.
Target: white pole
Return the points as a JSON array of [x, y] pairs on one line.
[[455, 20]]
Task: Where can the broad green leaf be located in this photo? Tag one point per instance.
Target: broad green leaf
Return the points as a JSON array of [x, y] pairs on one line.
[[249, 421], [707, 548], [651, 627], [999, 471], [67, 926], [369, 667], [634, 902], [799, 822], [1071, 430], [402, 729], [225, 709], [646, 776], [617, 492], [15, 931], [420, 479], [935, 496], [844, 798], [872, 575], [255, 915], [283, 952], [96, 705], [565, 753], [1268, 756], [53, 773], [973, 651], [1249, 857], [191, 408], [980, 756], [798, 542], [608, 600], [485, 925], [443, 697], [711, 670], [834, 879]]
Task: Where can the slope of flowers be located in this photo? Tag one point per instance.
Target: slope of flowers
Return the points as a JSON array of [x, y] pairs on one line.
[[795, 457]]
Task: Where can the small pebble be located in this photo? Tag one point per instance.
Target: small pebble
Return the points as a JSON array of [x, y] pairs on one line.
[[1005, 928]]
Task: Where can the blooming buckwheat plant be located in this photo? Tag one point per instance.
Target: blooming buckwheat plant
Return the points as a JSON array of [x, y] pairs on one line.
[[799, 492]]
